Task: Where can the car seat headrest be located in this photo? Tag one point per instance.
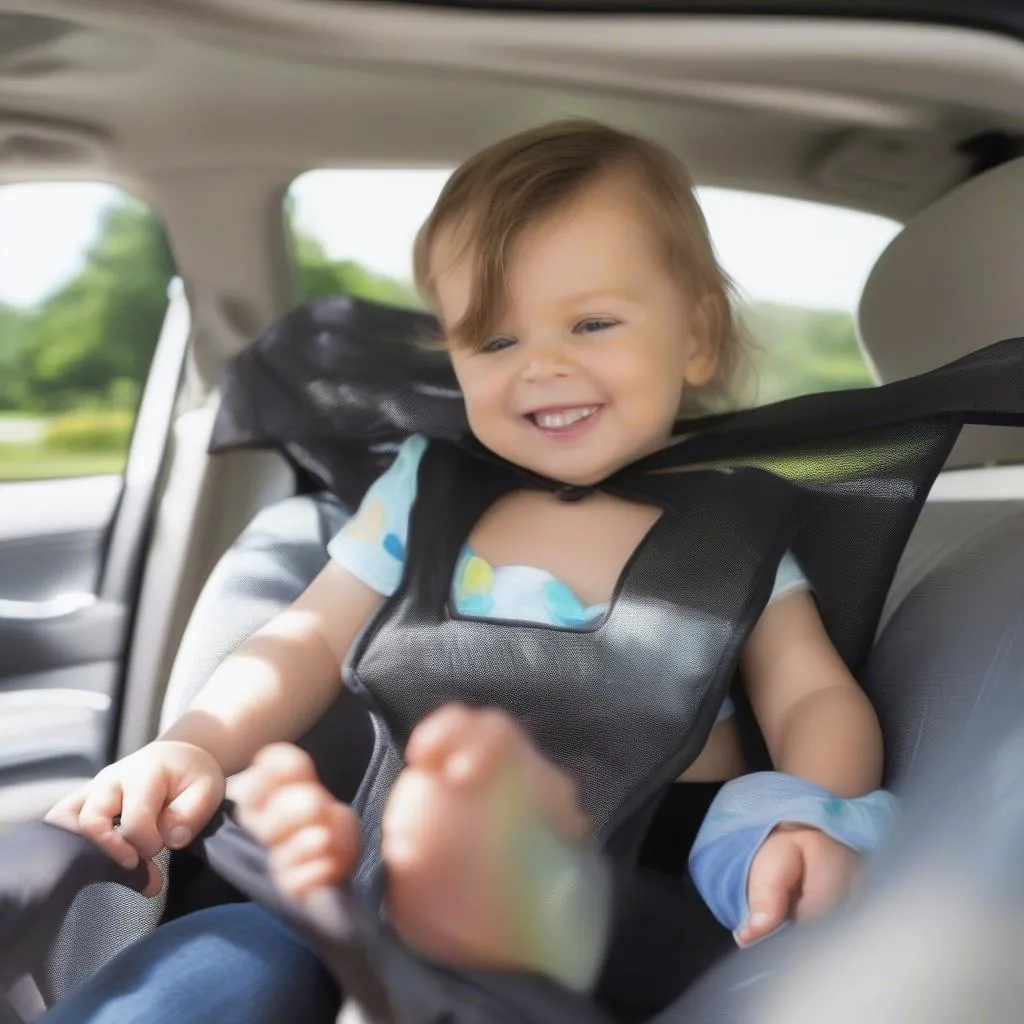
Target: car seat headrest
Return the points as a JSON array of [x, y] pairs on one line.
[[948, 284]]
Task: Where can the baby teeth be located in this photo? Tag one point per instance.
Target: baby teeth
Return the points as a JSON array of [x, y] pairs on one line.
[[558, 420]]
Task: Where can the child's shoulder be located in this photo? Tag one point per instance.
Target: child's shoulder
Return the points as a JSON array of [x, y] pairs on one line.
[[412, 448], [396, 488], [407, 461], [371, 545]]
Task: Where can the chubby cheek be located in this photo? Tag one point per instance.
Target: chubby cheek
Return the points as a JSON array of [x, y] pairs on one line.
[[487, 403], [486, 420], [645, 391]]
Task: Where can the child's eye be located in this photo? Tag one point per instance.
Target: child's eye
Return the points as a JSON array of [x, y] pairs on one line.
[[593, 324], [497, 344]]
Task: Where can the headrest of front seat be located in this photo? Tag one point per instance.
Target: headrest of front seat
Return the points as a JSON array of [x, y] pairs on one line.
[[953, 281]]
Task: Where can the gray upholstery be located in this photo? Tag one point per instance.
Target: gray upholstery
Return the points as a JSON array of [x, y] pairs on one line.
[[943, 529], [946, 646], [269, 565]]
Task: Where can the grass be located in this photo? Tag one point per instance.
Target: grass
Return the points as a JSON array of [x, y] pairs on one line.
[[31, 462]]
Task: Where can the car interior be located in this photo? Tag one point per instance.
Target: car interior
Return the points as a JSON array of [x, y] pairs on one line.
[[120, 593]]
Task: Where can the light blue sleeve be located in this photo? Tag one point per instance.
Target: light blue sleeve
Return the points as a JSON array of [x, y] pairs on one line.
[[788, 578], [745, 812], [371, 545]]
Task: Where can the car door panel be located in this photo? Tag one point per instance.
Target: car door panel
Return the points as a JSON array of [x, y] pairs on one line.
[[44, 733], [60, 645], [52, 536], [70, 553], [35, 642], [33, 569]]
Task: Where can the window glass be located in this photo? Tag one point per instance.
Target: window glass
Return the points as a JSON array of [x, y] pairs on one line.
[[800, 267], [84, 272], [353, 231]]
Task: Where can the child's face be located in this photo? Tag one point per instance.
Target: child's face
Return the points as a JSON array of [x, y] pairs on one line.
[[585, 370]]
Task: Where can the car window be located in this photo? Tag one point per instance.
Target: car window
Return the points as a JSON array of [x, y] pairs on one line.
[[84, 274], [799, 267]]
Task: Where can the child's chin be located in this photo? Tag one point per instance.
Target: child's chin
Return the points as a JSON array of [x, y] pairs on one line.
[[556, 461], [573, 471]]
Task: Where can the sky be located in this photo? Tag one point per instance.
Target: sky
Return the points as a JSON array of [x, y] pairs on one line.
[[776, 249]]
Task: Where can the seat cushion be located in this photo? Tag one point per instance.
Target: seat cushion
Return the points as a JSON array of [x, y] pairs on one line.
[[942, 530], [955, 614]]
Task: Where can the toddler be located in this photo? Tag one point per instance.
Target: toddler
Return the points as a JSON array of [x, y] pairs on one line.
[[583, 309]]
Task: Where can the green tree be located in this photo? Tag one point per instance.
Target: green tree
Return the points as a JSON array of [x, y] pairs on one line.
[[799, 351], [102, 326], [317, 275], [91, 341], [13, 327]]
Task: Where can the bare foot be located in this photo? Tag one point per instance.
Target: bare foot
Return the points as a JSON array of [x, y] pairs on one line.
[[312, 840], [485, 847]]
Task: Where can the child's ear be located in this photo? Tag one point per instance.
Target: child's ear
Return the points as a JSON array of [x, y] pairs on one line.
[[702, 359]]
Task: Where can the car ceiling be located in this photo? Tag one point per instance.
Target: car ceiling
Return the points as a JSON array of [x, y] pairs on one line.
[[1000, 15], [864, 113]]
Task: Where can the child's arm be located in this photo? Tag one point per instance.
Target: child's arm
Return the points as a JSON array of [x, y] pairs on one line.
[[816, 720], [273, 687], [283, 678], [785, 843], [819, 726]]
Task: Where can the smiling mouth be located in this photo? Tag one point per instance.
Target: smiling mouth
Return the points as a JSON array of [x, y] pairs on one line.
[[564, 421]]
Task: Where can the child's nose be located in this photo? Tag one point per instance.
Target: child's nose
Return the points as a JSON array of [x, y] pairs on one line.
[[545, 363]]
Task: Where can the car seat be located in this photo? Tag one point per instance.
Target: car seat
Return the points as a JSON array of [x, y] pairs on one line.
[[936, 937], [950, 610], [270, 564]]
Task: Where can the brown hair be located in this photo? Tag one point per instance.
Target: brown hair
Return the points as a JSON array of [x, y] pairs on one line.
[[504, 189]]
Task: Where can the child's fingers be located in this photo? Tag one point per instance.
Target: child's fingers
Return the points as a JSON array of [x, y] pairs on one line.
[[336, 838], [492, 737], [281, 763], [101, 807], [299, 881], [274, 766], [286, 810], [285, 762], [829, 869], [189, 810], [143, 799], [98, 827], [65, 813], [775, 877], [433, 739]]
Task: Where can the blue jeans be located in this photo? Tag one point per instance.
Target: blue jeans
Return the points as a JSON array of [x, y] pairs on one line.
[[223, 965]]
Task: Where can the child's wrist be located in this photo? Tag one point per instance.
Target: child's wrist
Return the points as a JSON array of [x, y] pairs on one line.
[[748, 809]]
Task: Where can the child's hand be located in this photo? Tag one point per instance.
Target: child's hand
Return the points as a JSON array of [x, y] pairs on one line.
[[312, 840], [799, 872], [160, 796]]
